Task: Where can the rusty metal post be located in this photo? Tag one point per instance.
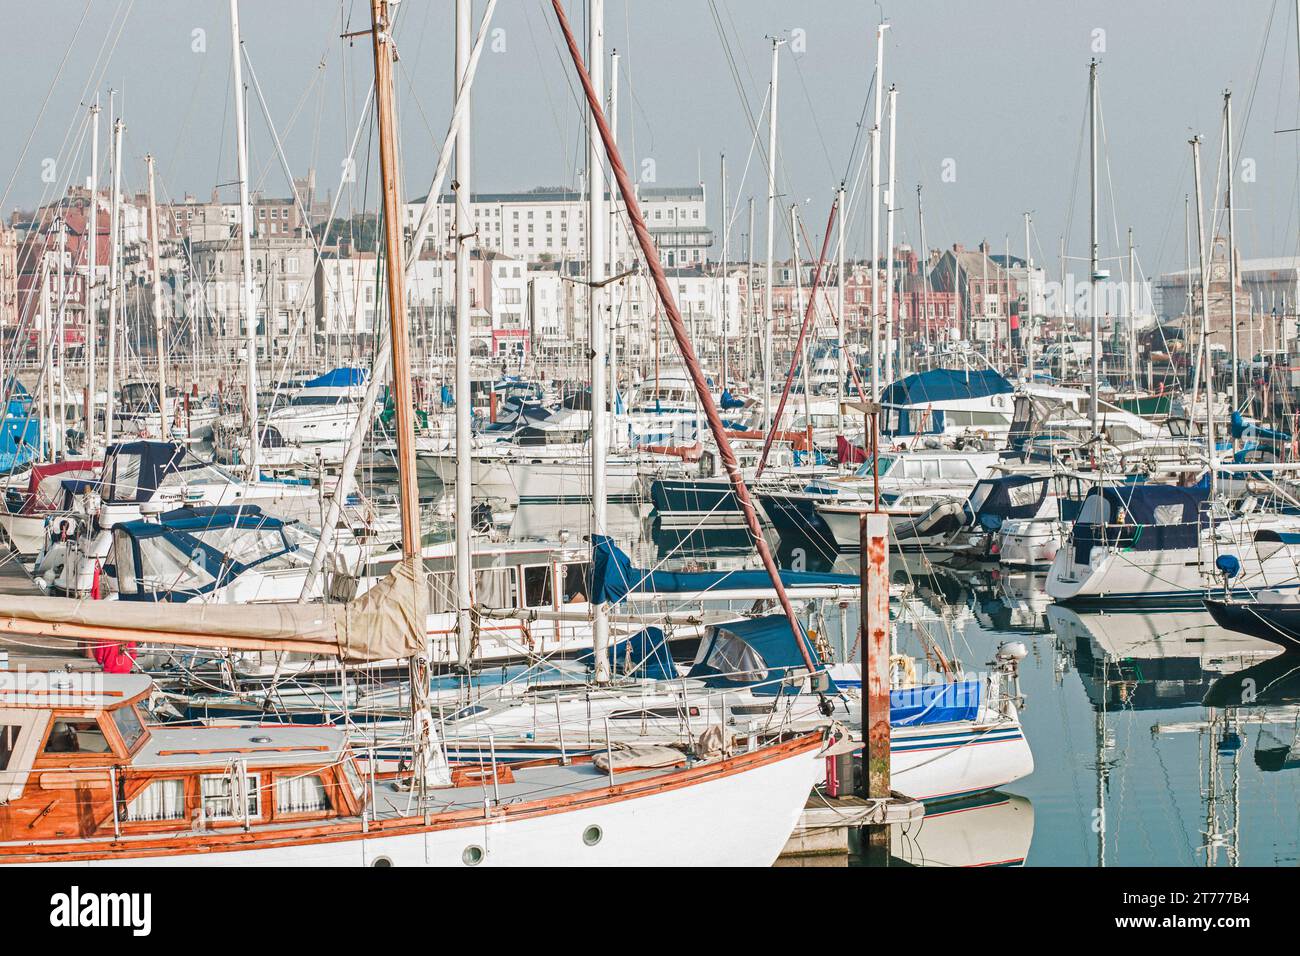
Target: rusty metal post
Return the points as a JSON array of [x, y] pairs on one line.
[[874, 540]]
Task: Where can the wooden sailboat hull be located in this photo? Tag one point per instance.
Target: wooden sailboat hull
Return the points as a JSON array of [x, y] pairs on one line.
[[734, 812]]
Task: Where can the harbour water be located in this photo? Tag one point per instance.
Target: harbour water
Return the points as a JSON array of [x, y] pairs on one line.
[[1158, 737]]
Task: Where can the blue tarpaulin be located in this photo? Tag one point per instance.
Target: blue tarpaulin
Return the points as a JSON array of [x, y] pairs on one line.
[[756, 652], [644, 655], [338, 378], [614, 577], [934, 703], [944, 385]]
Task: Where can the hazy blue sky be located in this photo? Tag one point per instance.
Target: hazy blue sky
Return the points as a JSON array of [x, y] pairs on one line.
[[998, 88]]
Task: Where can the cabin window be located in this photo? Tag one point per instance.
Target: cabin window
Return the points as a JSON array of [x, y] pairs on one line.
[[442, 592], [76, 735], [128, 725], [492, 587], [354, 779], [220, 801], [1022, 496], [161, 800], [124, 482], [124, 559], [304, 794], [165, 567], [537, 585], [956, 468], [736, 660], [577, 582], [8, 743], [1168, 514]]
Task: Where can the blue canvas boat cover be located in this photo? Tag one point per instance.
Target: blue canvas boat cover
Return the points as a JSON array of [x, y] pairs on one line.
[[1140, 502], [944, 385], [757, 653], [338, 378], [614, 577], [934, 703], [644, 655]]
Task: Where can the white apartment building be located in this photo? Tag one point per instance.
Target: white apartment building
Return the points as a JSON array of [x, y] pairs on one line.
[[551, 225]]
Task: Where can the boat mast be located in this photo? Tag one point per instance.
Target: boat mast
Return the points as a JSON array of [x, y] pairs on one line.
[[596, 307], [1211, 446], [1027, 332], [1232, 249], [464, 223], [114, 254], [1132, 314], [611, 222], [159, 326], [726, 239], [889, 247], [246, 248], [841, 372], [92, 261], [771, 237], [403, 405], [1092, 250], [875, 214], [682, 338]]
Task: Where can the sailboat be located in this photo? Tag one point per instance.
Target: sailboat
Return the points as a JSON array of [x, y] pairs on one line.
[[89, 781]]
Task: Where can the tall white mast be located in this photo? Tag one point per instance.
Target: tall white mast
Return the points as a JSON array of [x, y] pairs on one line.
[[1132, 312], [726, 241], [771, 237], [875, 212], [114, 255], [464, 222], [597, 308], [1027, 319], [1093, 276], [611, 224], [1232, 249], [92, 257], [889, 244], [159, 326], [246, 246], [840, 363], [1211, 447]]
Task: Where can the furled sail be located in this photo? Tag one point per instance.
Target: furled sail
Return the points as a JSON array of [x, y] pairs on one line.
[[385, 623]]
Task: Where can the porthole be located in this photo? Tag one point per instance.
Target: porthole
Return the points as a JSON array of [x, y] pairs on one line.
[[382, 861], [591, 836], [472, 856]]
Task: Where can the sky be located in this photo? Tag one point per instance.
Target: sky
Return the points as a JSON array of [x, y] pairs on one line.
[[991, 107]]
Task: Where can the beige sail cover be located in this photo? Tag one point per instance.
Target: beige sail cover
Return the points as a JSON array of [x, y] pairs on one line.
[[387, 622]]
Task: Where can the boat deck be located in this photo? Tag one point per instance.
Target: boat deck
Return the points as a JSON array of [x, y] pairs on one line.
[[530, 783]]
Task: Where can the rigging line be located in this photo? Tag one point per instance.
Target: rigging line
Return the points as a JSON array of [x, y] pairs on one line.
[[58, 73], [812, 113]]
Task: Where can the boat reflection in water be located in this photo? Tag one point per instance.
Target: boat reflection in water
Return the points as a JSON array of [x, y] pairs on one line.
[[1268, 696], [1151, 660], [1162, 661], [991, 829]]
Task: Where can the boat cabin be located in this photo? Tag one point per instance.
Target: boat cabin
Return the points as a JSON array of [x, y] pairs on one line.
[[190, 552], [79, 761]]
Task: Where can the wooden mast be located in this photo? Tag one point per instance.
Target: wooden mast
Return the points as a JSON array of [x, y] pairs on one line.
[[674, 315], [395, 284]]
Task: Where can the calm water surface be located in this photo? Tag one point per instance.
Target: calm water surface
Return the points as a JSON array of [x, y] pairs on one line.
[[1158, 738]]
